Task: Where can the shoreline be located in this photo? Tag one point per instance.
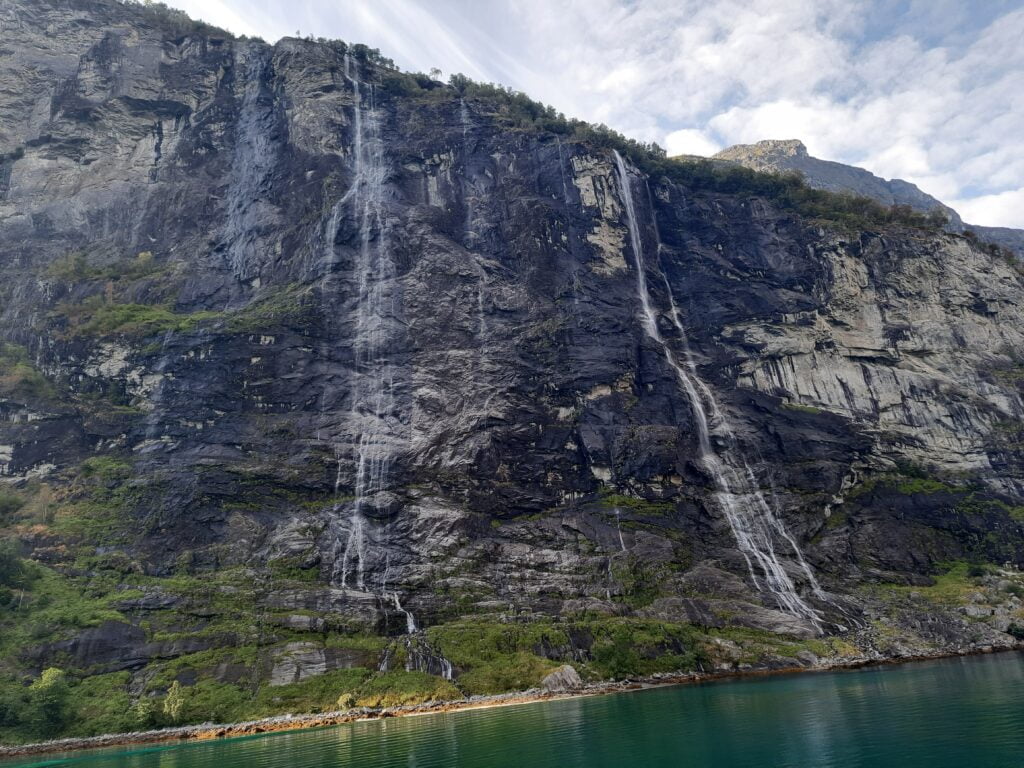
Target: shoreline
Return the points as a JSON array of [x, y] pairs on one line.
[[278, 723]]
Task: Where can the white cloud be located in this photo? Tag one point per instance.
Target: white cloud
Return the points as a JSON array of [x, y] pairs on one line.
[[1005, 209], [690, 141], [923, 90]]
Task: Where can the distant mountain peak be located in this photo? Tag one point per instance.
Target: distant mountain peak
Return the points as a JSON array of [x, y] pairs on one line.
[[784, 155], [764, 148]]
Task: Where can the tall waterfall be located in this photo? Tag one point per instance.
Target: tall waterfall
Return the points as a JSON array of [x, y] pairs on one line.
[[372, 411], [754, 523]]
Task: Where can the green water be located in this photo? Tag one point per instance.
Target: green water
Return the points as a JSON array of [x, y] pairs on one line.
[[960, 712]]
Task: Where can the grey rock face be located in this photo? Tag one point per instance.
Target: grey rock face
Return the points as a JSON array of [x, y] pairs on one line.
[[563, 679], [391, 348]]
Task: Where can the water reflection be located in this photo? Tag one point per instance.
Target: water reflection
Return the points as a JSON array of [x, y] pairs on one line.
[[958, 712]]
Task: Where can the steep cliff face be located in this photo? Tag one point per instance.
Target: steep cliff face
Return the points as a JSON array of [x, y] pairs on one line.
[[352, 348]]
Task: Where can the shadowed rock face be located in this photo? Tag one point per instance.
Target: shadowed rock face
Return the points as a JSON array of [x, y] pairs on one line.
[[774, 155], [345, 277]]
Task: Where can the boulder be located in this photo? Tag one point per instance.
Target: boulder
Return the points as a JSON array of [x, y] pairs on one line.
[[565, 678]]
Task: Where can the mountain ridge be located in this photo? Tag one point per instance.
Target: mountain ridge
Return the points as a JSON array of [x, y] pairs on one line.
[[782, 155]]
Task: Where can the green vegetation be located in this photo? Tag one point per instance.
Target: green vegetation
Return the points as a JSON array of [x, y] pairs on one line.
[[490, 655], [642, 582], [907, 480], [288, 304], [97, 317], [174, 21], [495, 656], [15, 575], [954, 582], [641, 506], [290, 568], [100, 503], [514, 110], [46, 703], [10, 504], [399, 687], [910, 480], [77, 267], [788, 192], [19, 378]]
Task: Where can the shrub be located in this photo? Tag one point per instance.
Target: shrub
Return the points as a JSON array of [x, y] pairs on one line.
[[46, 711], [18, 377], [174, 702], [399, 687], [14, 571], [9, 504]]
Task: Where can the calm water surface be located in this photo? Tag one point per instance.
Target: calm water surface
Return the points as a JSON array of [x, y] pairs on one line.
[[959, 712]]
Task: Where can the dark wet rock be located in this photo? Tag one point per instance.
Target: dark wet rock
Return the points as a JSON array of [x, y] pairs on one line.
[[110, 647]]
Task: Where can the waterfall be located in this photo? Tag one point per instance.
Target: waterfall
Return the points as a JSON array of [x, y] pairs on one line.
[[410, 620], [373, 408], [467, 190], [561, 170], [754, 523], [472, 239]]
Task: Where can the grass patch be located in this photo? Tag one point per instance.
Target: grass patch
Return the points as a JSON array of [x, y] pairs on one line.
[[290, 569], [954, 582], [640, 506], [290, 303], [51, 607], [101, 502], [399, 687], [97, 317]]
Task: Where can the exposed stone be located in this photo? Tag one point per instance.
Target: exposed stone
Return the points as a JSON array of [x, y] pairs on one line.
[[565, 678]]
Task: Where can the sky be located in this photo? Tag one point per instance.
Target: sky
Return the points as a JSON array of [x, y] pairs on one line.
[[931, 91]]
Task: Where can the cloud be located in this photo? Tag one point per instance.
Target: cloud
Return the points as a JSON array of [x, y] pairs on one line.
[[923, 89], [690, 141], [1005, 209]]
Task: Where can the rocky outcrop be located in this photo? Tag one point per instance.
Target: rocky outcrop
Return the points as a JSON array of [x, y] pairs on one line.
[[563, 679], [377, 351], [775, 156]]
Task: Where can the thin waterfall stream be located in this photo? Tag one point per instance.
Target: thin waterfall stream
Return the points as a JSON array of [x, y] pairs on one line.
[[753, 522], [372, 411]]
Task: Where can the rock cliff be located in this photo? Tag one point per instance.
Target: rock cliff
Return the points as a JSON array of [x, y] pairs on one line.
[[312, 367]]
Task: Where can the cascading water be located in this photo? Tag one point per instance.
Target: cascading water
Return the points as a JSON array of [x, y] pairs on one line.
[[373, 413], [622, 551], [753, 522], [410, 620]]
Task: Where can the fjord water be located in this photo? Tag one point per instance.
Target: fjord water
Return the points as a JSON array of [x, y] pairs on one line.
[[953, 712]]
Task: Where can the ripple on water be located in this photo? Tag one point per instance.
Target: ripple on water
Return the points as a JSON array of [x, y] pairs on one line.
[[964, 712]]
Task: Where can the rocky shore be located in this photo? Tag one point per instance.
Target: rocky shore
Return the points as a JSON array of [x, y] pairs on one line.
[[290, 722]]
